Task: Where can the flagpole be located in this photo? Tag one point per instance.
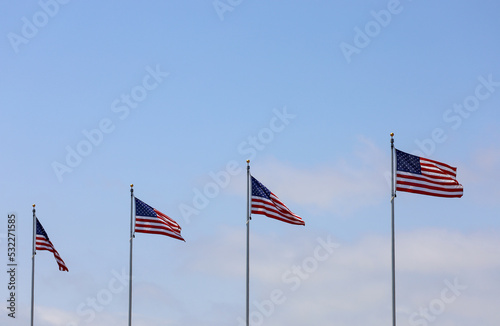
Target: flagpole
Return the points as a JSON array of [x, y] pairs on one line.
[[248, 246], [131, 243], [33, 266], [393, 196]]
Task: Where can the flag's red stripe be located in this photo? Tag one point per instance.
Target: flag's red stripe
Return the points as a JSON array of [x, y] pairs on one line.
[[430, 185], [167, 219], [409, 188], [270, 212], [275, 203], [428, 162], [156, 221], [140, 227], [147, 227], [269, 205], [274, 209], [422, 192], [436, 174], [157, 231], [278, 218], [457, 190], [43, 244], [433, 170], [438, 180]]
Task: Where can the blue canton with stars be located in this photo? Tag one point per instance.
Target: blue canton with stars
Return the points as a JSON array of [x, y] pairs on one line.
[[407, 163], [259, 190], [143, 209], [40, 230]]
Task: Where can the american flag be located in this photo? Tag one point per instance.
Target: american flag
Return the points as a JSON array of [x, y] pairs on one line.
[[426, 177], [266, 203], [150, 220], [43, 243]]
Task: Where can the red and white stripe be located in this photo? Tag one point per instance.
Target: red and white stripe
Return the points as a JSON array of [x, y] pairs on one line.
[[43, 243], [161, 224], [274, 208]]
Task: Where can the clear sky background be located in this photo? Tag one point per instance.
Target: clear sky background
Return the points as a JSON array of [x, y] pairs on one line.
[[170, 95]]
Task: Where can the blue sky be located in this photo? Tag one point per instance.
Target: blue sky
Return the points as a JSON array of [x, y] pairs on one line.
[[170, 95]]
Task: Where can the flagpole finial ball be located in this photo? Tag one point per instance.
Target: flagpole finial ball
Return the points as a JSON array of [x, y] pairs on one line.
[[131, 185], [33, 205], [248, 161], [392, 134]]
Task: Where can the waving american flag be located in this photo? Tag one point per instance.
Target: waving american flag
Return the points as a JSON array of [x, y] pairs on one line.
[[150, 220], [43, 243], [266, 203], [426, 177]]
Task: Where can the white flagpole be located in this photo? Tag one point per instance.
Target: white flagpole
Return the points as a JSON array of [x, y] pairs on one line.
[[131, 243], [393, 196], [248, 245], [33, 266]]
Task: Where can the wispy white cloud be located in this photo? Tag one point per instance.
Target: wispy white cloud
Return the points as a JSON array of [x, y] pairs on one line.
[[352, 285], [354, 181], [53, 316], [309, 284], [443, 251]]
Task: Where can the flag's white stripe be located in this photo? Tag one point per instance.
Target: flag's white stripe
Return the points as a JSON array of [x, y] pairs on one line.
[[155, 224], [423, 192], [442, 166], [266, 207], [411, 176], [162, 232], [278, 217], [43, 244], [167, 219], [417, 186], [276, 201], [275, 214], [450, 185], [269, 205], [427, 175], [438, 174], [146, 227], [157, 221]]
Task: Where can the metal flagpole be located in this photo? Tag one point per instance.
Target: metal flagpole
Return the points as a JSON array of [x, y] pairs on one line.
[[33, 266], [393, 196], [131, 243], [248, 244]]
